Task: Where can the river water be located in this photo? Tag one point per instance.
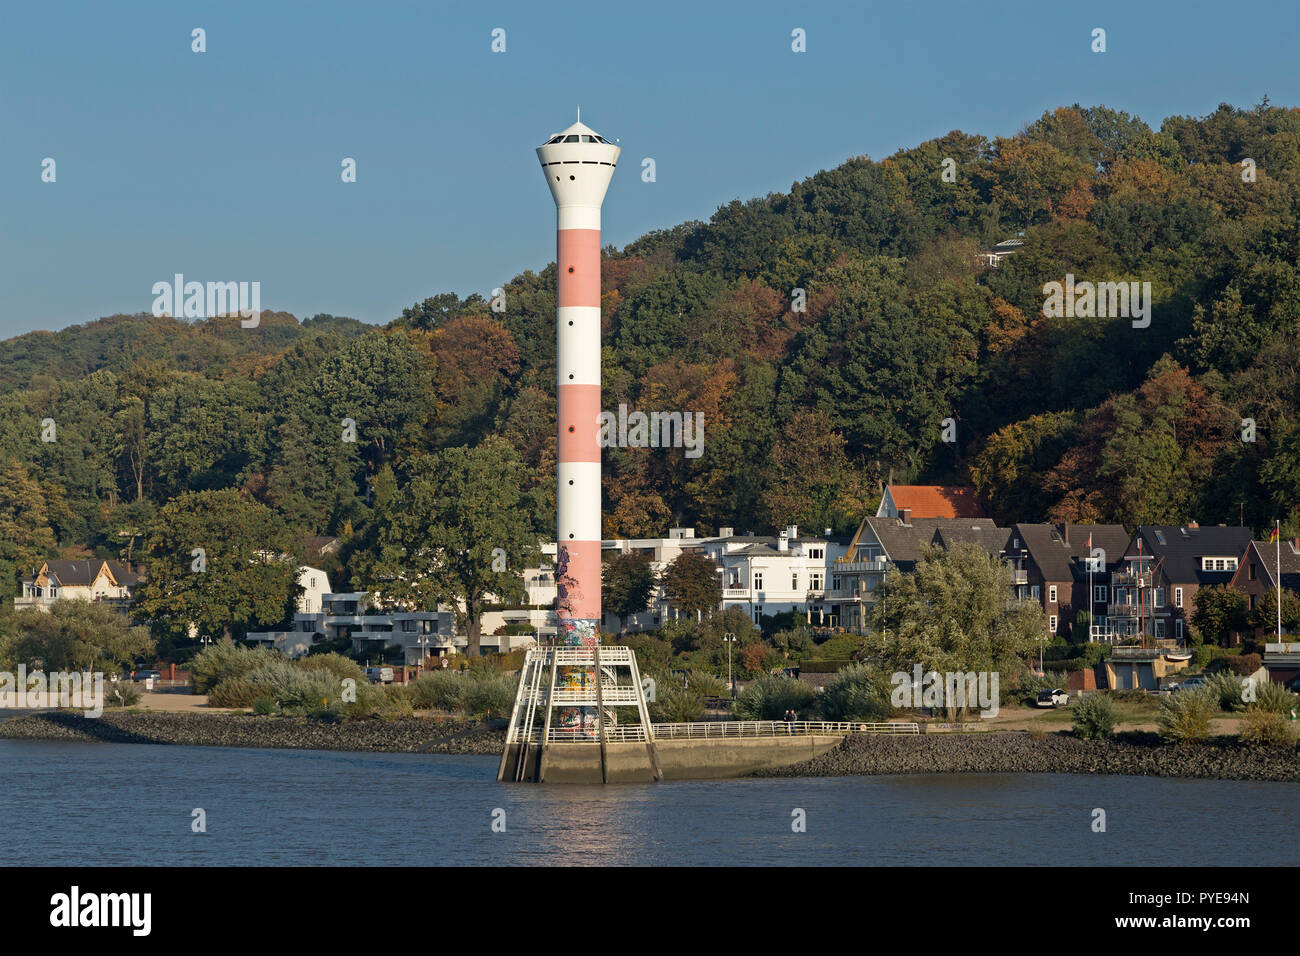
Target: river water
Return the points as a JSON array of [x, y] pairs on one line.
[[103, 804]]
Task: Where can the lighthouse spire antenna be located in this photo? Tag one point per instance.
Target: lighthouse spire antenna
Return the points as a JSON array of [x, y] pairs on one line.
[[579, 112]]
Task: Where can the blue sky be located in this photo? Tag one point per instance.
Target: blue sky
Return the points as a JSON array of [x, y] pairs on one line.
[[225, 165]]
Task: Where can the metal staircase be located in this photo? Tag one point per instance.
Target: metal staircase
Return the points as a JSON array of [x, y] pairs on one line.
[[560, 700]]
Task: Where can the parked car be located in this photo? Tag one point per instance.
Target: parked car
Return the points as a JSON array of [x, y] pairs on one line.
[[1191, 683], [145, 675], [1053, 698], [379, 675]]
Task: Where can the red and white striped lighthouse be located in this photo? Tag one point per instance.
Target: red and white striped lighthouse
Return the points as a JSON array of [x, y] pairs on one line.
[[578, 164]]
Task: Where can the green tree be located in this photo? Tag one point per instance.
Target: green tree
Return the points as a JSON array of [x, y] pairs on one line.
[[627, 583], [239, 580], [1264, 615], [456, 531], [691, 584], [26, 538], [954, 612], [79, 636], [1220, 612]]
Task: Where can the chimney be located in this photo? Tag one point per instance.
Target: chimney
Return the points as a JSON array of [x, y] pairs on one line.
[[783, 541], [792, 531], [905, 515], [1192, 524], [828, 532], [726, 532]]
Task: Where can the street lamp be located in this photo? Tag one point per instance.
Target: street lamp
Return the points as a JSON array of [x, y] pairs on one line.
[[730, 639]]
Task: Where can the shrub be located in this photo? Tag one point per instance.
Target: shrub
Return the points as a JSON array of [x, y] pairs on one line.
[[223, 660], [1094, 717], [1225, 688], [769, 697], [1203, 654], [677, 705], [306, 693], [388, 708], [491, 695], [335, 664], [439, 690], [235, 692], [1245, 664], [1266, 728], [859, 692], [1030, 683], [1274, 698], [1185, 716], [121, 694], [707, 685], [651, 652], [264, 705]]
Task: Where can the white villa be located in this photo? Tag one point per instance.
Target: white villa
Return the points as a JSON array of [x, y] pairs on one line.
[[92, 579]]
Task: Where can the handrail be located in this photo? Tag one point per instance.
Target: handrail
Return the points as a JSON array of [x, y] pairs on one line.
[[717, 729]]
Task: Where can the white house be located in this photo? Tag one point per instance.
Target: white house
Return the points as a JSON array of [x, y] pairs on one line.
[[787, 573], [92, 579]]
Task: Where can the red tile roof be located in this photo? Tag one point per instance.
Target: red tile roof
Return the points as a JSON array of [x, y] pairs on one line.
[[937, 501]]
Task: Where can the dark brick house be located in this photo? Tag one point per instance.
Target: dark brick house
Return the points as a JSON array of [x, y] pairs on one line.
[[1166, 565], [1051, 566]]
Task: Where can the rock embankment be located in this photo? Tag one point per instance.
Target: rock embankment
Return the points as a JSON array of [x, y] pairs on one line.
[[416, 735], [1014, 752]]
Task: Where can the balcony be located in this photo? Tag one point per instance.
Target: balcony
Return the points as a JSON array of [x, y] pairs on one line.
[[1019, 576], [735, 594], [874, 564]]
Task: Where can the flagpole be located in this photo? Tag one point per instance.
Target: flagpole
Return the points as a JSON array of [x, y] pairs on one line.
[[1091, 621]]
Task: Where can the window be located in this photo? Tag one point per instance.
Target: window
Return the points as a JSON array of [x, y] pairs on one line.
[[1178, 597], [1099, 593], [1034, 592], [815, 581], [1252, 570], [816, 552], [1051, 595], [1051, 623], [1160, 627], [1158, 597], [758, 614], [758, 580], [1178, 628], [794, 580], [835, 582]]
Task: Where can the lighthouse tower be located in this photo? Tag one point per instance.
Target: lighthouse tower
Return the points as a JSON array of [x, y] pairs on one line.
[[578, 164], [570, 695]]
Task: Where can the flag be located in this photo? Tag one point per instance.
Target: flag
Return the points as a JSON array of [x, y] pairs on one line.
[[1272, 535]]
